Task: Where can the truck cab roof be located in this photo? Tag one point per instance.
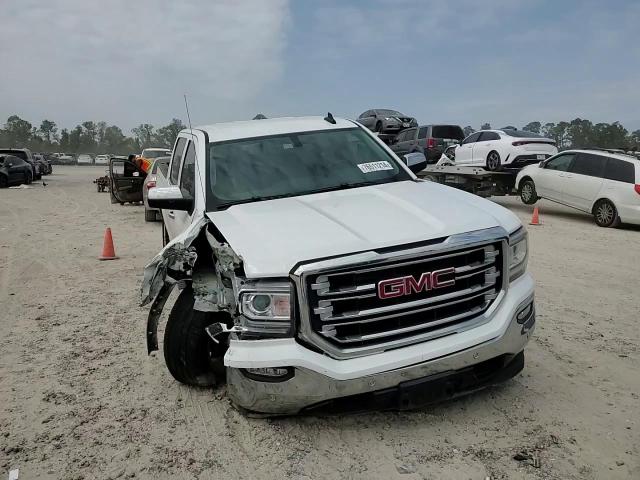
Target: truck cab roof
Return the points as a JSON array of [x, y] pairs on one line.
[[220, 132]]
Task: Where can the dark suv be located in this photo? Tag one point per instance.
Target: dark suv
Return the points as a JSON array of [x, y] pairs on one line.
[[431, 140]]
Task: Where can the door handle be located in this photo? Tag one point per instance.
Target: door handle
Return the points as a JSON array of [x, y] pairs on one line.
[[171, 214]]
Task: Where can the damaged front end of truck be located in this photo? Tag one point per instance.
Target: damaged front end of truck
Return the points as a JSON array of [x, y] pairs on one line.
[[200, 262]]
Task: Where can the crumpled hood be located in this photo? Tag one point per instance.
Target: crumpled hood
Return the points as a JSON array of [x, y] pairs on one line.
[[273, 236]]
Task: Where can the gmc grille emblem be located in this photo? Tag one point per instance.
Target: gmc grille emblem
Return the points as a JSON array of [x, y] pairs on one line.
[[398, 287]]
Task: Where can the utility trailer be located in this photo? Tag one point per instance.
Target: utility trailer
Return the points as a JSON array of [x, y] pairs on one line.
[[476, 180]]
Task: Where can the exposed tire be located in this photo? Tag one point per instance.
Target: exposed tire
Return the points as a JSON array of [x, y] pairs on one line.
[[149, 215], [27, 178], [528, 193], [378, 127], [605, 214], [191, 356], [494, 163], [4, 181], [165, 235]]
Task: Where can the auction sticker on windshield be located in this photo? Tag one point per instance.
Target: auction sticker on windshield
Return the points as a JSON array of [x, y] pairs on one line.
[[374, 166]]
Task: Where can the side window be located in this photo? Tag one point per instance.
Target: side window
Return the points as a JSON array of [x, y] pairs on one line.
[[560, 163], [422, 133], [473, 138], [175, 161], [188, 176], [363, 115], [588, 164], [620, 171]]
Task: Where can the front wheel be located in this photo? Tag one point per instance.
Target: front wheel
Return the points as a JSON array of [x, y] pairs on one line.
[[493, 162], [27, 178], [378, 127], [605, 214], [4, 181], [149, 215], [191, 356], [528, 193]]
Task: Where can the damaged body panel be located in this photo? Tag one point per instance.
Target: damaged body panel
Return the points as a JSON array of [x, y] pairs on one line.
[[212, 285]]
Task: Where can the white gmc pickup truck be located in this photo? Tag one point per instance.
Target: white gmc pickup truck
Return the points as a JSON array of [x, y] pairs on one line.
[[318, 274]]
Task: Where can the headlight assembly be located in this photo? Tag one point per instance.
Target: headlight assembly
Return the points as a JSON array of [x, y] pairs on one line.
[[265, 307], [518, 253]]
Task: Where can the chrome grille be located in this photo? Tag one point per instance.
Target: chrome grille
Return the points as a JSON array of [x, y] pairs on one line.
[[345, 310]]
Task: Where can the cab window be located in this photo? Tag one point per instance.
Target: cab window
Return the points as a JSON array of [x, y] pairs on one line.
[[187, 178], [561, 162], [175, 161]]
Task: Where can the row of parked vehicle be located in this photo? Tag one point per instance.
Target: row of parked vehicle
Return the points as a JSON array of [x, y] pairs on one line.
[[21, 166]]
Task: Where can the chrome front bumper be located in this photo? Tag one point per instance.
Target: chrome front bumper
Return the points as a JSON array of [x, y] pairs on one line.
[[318, 379]]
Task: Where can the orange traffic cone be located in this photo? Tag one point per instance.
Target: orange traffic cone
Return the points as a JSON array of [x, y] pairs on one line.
[[535, 218], [108, 252]]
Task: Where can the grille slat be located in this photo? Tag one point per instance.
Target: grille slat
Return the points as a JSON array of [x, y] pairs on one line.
[[346, 309]]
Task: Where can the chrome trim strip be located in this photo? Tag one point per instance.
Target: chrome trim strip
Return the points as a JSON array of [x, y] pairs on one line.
[[415, 303]]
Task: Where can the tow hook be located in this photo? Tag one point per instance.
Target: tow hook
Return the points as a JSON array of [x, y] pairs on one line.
[[216, 329]]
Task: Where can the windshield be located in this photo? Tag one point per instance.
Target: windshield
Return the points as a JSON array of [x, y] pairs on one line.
[[389, 113], [254, 169], [155, 153], [521, 134]]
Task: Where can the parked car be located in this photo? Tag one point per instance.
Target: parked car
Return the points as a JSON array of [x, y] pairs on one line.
[[320, 275], [85, 159], [497, 149], [430, 140], [162, 164], [26, 155], [386, 121], [102, 159], [14, 171], [149, 154], [67, 159], [606, 185]]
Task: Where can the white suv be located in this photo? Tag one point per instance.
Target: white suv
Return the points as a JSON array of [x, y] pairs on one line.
[[604, 184], [495, 149], [321, 274]]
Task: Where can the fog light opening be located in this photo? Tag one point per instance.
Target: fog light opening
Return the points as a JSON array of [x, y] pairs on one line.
[[269, 374], [525, 313]]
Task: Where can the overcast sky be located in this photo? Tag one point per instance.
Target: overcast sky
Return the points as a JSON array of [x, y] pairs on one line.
[[466, 62]]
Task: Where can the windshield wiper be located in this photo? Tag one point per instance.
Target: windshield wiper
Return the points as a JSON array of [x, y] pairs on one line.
[[342, 186]]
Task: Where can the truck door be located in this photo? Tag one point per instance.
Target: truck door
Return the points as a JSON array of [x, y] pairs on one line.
[[126, 181]]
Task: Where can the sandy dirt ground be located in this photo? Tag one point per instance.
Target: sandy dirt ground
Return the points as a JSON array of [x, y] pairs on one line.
[[80, 398]]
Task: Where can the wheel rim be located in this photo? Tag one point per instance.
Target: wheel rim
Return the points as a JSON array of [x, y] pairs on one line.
[[493, 160], [605, 213], [527, 192]]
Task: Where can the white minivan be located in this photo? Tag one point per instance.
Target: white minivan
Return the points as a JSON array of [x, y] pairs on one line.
[[602, 183]]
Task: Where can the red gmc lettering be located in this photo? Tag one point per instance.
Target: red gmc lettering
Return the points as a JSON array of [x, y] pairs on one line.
[[398, 287]]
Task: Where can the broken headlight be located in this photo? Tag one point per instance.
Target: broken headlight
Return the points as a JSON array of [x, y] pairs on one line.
[[265, 307], [518, 254]]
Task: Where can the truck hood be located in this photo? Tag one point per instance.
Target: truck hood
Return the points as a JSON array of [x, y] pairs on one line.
[[273, 236]]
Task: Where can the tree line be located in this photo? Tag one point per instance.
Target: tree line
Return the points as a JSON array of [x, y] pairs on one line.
[[88, 137], [99, 137], [579, 133]]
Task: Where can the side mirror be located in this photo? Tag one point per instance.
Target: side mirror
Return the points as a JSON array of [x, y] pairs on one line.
[[415, 161], [169, 198]]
